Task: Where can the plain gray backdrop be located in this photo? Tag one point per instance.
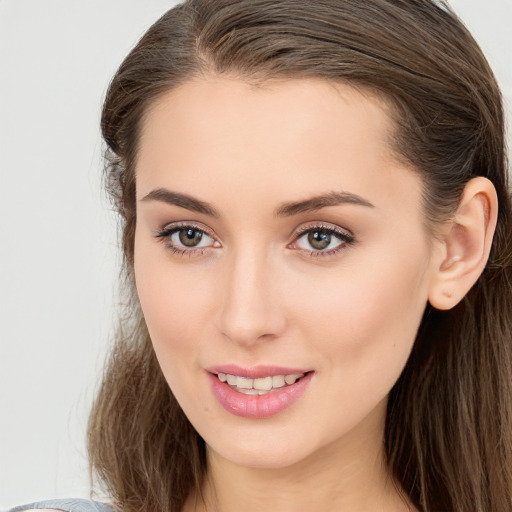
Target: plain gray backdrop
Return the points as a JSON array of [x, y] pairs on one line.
[[58, 247]]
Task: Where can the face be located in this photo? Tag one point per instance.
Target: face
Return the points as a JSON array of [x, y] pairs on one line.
[[279, 247]]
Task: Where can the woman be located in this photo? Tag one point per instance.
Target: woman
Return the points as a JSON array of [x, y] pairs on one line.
[[317, 240]]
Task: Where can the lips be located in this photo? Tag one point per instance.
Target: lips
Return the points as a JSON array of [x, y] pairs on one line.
[[258, 392]]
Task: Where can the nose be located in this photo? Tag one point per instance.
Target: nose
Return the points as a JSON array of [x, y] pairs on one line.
[[252, 310]]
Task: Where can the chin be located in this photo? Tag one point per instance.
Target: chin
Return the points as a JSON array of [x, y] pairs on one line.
[[256, 457], [266, 449]]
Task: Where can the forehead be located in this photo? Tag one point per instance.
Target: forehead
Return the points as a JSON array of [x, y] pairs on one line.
[[276, 112], [295, 137]]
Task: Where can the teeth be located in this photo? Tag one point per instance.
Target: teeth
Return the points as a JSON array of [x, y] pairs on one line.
[[264, 384], [244, 383], [261, 385], [278, 381], [291, 379], [249, 391]]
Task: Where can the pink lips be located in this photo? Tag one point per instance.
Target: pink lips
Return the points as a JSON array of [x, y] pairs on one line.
[[257, 406]]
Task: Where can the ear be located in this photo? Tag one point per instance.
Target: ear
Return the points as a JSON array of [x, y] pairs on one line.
[[465, 244]]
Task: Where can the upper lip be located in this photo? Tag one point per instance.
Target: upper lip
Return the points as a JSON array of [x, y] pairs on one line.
[[255, 372]]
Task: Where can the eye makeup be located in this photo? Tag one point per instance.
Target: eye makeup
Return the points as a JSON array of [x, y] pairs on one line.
[[320, 239], [187, 239], [315, 239]]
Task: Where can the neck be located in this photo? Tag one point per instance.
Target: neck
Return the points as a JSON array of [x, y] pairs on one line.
[[349, 474]]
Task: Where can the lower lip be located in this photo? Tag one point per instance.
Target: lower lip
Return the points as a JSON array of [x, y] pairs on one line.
[[257, 406]]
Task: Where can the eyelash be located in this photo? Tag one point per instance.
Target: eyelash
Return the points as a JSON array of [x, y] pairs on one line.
[[344, 237], [166, 233]]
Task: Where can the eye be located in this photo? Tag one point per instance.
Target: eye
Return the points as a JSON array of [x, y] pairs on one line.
[[186, 239], [189, 237], [322, 240]]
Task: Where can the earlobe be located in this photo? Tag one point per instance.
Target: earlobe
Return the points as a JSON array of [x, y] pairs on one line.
[[466, 243]]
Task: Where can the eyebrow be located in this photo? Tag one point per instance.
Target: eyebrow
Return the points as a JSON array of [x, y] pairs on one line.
[[321, 201], [285, 210], [182, 200]]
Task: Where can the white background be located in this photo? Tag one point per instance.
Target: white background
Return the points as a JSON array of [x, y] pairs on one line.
[[58, 248]]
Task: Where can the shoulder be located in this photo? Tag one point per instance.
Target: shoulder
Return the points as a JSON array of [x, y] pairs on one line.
[[66, 505]]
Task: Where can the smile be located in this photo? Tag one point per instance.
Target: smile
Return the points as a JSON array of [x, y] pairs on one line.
[[258, 394], [260, 386]]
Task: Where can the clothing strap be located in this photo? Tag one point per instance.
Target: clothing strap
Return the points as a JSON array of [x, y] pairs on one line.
[[67, 505]]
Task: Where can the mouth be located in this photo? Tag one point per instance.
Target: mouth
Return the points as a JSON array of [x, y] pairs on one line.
[[258, 393], [261, 385]]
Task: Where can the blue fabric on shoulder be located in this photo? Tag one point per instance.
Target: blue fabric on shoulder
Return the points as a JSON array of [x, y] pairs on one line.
[[68, 505]]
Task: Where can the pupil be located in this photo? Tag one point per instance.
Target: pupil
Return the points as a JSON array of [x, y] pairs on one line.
[[190, 237], [319, 239]]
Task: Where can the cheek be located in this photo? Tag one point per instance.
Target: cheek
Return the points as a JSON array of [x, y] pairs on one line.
[[174, 303], [175, 306], [365, 319]]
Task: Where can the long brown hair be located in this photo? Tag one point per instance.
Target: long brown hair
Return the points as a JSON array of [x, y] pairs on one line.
[[448, 435]]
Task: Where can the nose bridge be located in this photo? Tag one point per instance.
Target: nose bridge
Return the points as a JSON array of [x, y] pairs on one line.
[[250, 310]]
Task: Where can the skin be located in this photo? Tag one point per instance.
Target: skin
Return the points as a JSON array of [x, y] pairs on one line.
[[255, 293]]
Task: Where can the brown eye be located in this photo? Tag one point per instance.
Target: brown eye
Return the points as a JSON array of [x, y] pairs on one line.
[[189, 240], [319, 239], [190, 237], [322, 240]]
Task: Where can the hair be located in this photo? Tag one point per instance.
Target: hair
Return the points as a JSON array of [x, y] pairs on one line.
[[448, 433]]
